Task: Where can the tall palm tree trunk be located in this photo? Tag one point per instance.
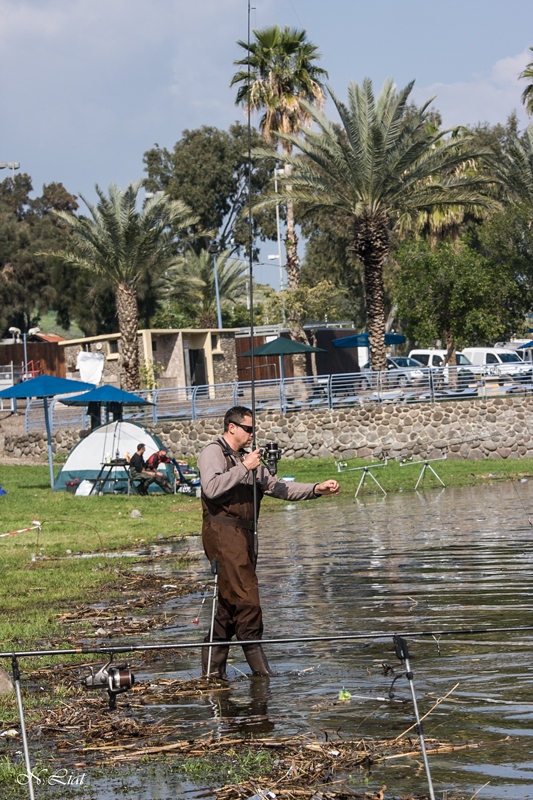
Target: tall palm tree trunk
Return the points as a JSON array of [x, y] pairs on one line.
[[128, 320], [291, 246], [371, 243]]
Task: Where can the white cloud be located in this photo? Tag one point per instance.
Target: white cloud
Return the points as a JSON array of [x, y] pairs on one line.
[[484, 98]]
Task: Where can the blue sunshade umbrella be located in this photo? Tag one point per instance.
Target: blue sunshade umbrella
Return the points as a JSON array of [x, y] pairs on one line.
[[106, 394], [363, 340], [43, 387]]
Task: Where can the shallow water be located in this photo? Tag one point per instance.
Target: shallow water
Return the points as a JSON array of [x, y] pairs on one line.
[[453, 558]]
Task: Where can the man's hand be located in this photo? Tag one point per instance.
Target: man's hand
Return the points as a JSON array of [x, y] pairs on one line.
[[327, 487], [252, 460]]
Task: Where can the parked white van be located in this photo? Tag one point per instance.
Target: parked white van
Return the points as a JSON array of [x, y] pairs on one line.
[[435, 359], [501, 364]]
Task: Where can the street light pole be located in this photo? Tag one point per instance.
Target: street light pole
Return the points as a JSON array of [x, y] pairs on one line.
[[281, 284], [276, 173], [214, 249], [31, 332], [12, 165]]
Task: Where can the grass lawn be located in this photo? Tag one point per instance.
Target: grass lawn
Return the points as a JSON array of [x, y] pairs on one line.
[[40, 578]]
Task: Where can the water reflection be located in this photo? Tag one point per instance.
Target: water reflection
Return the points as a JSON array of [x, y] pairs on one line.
[[454, 558]]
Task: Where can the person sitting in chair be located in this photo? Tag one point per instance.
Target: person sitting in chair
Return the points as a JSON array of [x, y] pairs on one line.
[[159, 457], [144, 476]]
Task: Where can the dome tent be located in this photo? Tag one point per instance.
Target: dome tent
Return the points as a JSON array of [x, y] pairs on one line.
[[114, 440]]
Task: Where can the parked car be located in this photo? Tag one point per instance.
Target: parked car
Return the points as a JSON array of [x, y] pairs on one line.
[[500, 364], [435, 359], [402, 371]]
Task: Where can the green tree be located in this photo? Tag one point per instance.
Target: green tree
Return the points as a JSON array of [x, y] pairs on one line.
[[279, 73], [328, 255], [123, 246], [192, 280], [208, 170], [452, 293], [506, 241], [322, 302], [515, 168], [28, 226], [374, 169]]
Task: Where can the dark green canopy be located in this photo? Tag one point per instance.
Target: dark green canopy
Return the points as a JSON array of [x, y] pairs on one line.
[[282, 347]]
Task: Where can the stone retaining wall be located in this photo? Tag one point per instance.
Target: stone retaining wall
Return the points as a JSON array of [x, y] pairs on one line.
[[498, 428]]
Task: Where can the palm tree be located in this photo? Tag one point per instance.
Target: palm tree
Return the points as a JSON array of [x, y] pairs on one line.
[[527, 94], [196, 272], [378, 166], [122, 245], [280, 73], [515, 168]]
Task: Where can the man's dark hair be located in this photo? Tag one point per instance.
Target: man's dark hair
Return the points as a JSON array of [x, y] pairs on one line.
[[140, 446], [236, 414]]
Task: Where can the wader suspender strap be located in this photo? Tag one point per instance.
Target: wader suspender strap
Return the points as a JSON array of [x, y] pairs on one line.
[[222, 519]]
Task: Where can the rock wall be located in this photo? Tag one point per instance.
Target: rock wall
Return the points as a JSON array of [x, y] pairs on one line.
[[498, 428], [225, 365]]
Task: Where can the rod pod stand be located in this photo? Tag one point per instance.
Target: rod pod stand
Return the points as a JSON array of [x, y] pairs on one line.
[[214, 570], [400, 646], [16, 679], [367, 470]]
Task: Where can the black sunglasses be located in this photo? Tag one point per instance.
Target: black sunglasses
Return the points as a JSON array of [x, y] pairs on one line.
[[246, 428]]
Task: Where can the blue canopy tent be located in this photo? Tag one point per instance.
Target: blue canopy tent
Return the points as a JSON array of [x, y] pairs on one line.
[[43, 387], [363, 340]]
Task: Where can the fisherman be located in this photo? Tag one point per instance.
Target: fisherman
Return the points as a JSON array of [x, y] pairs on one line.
[[226, 476], [144, 476]]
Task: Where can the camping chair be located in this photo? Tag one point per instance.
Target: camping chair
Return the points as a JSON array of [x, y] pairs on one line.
[[182, 484]]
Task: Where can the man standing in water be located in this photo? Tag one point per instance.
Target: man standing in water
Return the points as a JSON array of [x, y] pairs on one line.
[[226, 476]]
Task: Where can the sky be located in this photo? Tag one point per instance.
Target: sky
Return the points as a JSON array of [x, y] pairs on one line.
[[87, 86]]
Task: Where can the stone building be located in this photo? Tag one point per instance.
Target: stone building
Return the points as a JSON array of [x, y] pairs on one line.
[[181, 357]]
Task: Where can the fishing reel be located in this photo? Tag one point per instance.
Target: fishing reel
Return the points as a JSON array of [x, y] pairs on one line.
[[114, 679], [270, 455]]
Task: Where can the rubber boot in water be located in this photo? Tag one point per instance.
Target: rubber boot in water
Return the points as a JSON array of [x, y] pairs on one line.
[[257, 660], [219, 656]]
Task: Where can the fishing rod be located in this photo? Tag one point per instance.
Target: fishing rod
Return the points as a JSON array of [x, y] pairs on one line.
[[251, 288], [118, 679], [373, 635]]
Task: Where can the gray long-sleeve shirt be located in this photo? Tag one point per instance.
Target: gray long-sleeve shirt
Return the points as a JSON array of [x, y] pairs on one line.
[[216, 479]]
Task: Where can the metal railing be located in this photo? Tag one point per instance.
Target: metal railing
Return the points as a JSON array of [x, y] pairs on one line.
[[423, 385]]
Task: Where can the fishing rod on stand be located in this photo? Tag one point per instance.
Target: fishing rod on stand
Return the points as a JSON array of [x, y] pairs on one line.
[[214, 570], [116, 680], [402, 653], [16, 680]]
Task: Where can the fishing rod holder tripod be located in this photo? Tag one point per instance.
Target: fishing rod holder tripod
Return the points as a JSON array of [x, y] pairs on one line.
[[115, 680], [402, 653], [342, 466], [426, 464], [214, 571]]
